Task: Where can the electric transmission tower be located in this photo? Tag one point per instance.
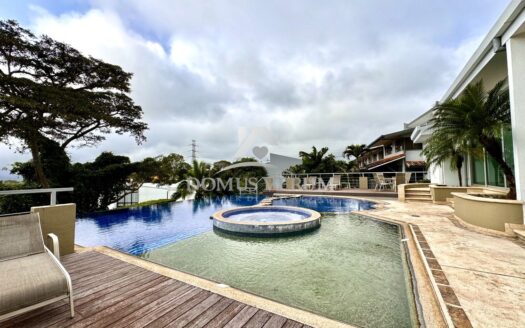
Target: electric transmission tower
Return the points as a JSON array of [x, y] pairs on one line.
[[193, 150]]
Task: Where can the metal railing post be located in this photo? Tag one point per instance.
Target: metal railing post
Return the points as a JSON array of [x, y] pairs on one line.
[[53, 198]]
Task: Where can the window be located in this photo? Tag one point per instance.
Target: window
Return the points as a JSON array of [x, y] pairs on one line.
[[494, 172], [478, 171], [486, 171]]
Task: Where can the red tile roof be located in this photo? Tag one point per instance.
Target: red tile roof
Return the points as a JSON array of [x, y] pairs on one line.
[[385, 160]]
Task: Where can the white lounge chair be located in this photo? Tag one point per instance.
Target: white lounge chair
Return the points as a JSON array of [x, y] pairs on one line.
[[292, 183], [310, 183], [383, 182], [334, 183], [30, 275], [268, 183]]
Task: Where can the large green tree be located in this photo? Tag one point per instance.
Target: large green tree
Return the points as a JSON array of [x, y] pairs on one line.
[[51, 91], [478, 117]]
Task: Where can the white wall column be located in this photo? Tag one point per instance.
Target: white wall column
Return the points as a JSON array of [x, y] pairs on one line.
[[516, 66]]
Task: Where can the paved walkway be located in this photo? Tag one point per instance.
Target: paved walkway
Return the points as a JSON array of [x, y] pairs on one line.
[[486, 273]]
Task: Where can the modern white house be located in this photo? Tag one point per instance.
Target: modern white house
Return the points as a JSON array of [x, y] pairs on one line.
[[501, 55]]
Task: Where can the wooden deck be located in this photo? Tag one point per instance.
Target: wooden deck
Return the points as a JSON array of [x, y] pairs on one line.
[[113, 293]]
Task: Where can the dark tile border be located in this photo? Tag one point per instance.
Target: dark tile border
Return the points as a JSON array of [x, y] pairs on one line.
[[453, 306]]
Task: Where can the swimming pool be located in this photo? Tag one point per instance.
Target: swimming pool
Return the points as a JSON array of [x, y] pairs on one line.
[[138, 230], [352, 269]]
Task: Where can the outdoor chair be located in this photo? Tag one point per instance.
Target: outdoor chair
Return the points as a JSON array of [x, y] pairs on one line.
[[310, 183], [290, 183], [334, 182], [384, 182], [268, 183], [408, 175], [31, 276]]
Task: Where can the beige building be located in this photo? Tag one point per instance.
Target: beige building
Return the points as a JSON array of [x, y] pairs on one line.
[[392, 152]]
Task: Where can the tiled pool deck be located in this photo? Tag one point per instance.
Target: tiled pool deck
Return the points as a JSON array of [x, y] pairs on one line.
[[481, 278]]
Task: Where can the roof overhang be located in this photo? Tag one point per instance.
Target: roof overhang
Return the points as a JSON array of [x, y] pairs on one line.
[[421, 133], [510, 22], [386, 161], [390, 136]]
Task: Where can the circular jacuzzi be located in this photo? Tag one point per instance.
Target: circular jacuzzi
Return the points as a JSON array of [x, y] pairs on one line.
[[266, 220]]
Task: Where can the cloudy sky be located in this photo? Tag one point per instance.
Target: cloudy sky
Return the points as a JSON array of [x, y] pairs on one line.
[[310, 72]]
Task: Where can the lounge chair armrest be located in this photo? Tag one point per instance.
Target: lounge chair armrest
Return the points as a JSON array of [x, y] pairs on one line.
[[56, 247]]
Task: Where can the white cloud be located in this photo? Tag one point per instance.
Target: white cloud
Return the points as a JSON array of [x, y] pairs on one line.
[[314, 73]]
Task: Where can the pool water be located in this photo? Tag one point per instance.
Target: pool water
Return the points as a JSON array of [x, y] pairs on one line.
[[266, 215], [351, 269], [326, 204], [140, 229]]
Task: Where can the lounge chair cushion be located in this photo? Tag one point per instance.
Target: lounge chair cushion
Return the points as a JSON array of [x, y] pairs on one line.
[[29, 280], [20, 235]]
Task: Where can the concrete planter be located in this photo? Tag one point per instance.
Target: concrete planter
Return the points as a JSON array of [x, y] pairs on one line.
[[440, 194], [60, 220], [487, 213]]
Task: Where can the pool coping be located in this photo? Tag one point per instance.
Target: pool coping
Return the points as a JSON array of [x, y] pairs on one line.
[[290, 312], [313, 215]]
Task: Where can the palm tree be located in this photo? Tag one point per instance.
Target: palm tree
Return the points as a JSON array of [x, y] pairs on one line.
[[200, 170], [440, 148], [193, 182], [353, 150], [313, 159], [478, 117]]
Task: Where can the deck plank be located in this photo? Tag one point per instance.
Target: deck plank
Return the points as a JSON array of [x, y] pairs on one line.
[[276, 321], [174, 313], [149, 308], [109, 292], [242, 317], [292, 324], [119, 309], [195, 311], [258, 320], [165, 308], [225, 316], [211, 313]]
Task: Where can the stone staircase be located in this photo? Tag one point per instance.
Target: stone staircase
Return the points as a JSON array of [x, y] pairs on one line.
[[420, 194]]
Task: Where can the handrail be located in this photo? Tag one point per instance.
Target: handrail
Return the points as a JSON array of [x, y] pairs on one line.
[[52, 192], [351, 179]]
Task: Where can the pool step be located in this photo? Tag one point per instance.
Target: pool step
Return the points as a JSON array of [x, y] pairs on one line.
[[268, 201], [421, 194]]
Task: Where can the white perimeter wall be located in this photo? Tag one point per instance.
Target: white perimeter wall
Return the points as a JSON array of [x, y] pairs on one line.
[[152, 191]]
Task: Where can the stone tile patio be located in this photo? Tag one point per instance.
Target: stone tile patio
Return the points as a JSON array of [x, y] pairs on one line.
[[487, 273]]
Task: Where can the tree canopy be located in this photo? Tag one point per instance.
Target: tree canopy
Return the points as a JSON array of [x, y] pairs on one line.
[[319, 161], [51, 91], [353, 150]]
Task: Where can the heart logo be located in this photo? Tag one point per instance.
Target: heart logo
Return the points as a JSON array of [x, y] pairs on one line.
[[260, 152]]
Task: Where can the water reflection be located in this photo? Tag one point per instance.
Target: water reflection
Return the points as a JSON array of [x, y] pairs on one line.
[[136, 230]]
